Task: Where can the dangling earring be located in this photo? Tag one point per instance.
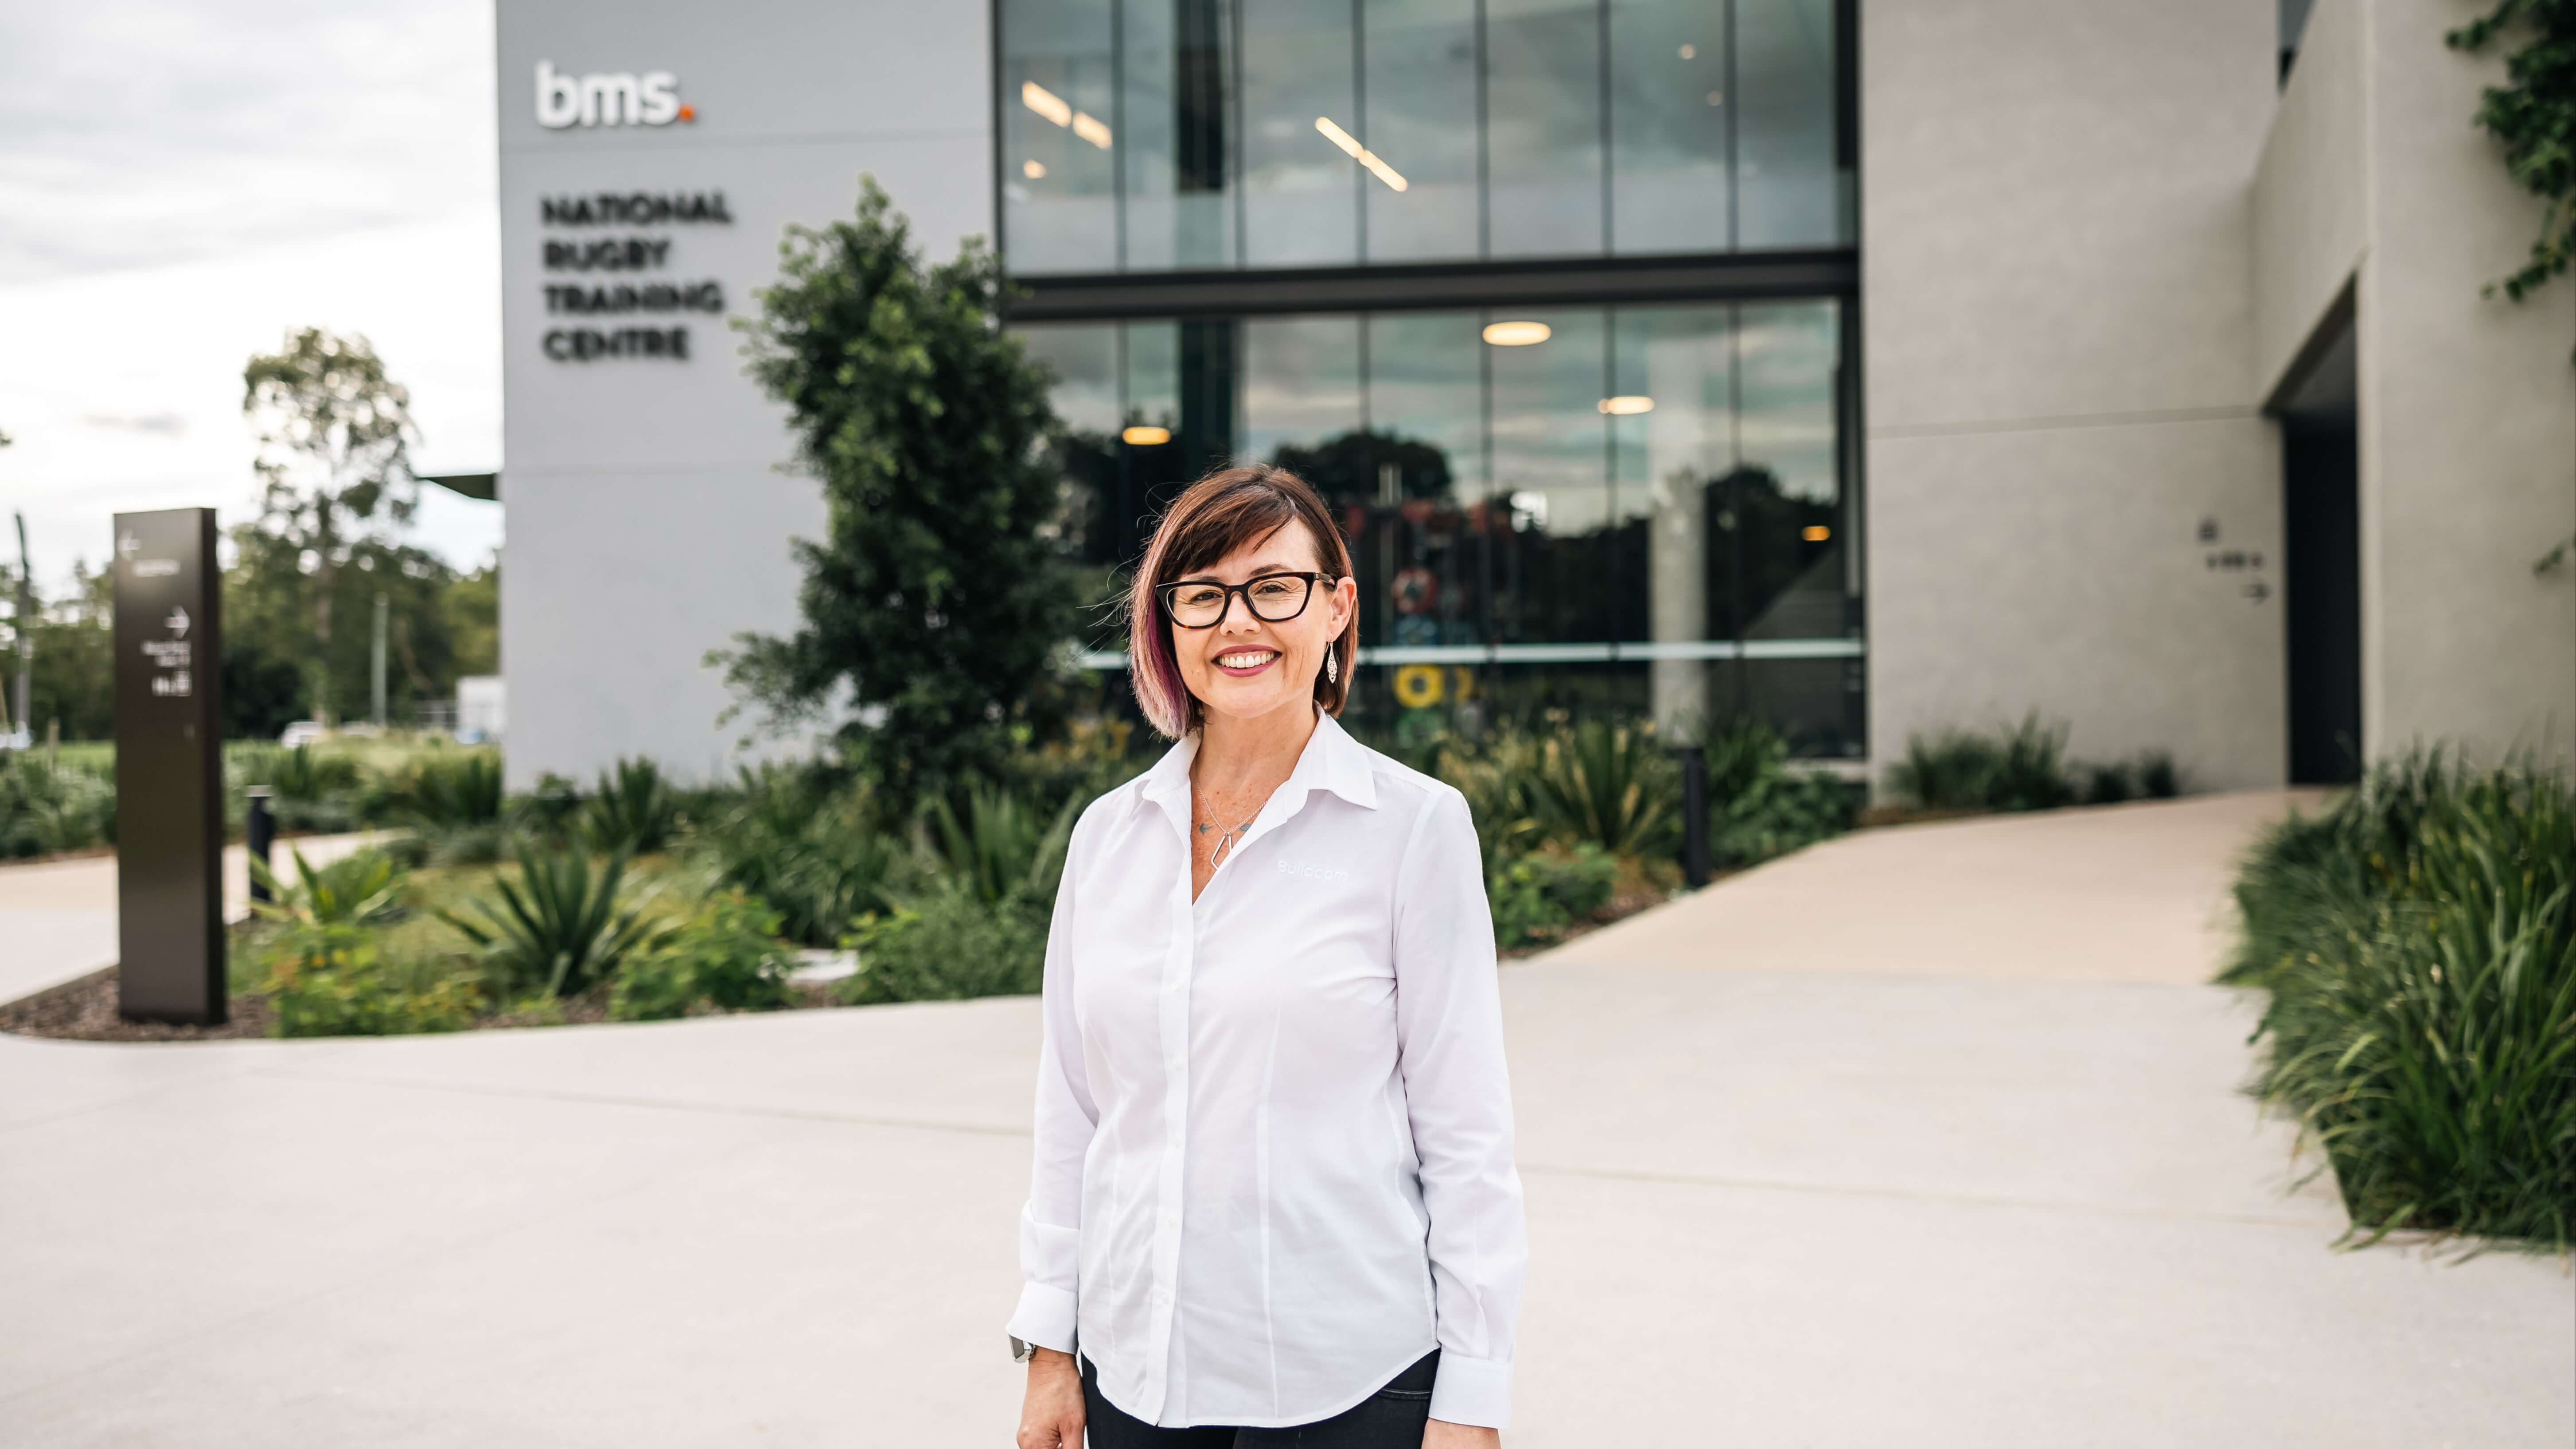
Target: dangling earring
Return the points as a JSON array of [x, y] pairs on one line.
[[1333, 662]]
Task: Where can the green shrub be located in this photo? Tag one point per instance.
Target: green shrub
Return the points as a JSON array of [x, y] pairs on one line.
[[726, 955], [444, 792], [559, 928], [1614, 786], [2149, 777], [1780, 813], [323, 791], [2418, 945], [815, 851], [359, 889], [1758, 807], [1001, 846], [634, 809], [947, 944], [553, 809], [47, 808], [2023, 768], [332, 979], [1536, 897]]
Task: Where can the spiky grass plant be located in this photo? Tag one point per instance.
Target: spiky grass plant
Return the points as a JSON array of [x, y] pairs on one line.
[[2419, 947]]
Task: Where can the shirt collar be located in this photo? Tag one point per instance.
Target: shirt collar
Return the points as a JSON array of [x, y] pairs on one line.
[[1331, 760]]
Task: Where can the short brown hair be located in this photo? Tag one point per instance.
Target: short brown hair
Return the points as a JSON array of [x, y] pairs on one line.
[[1222, 512]]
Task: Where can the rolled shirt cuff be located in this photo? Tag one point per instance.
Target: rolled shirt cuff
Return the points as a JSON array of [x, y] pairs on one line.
[[1471, 1390], [1044, 1317]]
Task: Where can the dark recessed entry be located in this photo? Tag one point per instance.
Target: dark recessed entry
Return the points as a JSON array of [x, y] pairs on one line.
[[2318, 407]]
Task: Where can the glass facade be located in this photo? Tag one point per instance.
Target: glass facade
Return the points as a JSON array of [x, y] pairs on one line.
[[1591, 502], [1180, 135], [1647, 511]]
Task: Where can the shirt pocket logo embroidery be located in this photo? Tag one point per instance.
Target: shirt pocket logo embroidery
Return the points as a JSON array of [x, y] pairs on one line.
[[1312, 872]]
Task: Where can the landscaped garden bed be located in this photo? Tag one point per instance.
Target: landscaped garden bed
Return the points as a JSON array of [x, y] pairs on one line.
[[2417, 942], [632, 898]]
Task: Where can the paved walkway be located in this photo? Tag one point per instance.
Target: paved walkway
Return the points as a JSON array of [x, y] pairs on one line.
[[58, 918], [1850, 1151]]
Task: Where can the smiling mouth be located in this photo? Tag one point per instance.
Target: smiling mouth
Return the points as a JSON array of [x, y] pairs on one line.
[[1242, 663]]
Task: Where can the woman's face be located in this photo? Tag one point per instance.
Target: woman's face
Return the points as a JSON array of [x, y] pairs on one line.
[[1245, 667]]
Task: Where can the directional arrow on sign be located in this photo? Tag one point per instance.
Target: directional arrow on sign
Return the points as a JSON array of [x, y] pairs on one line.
[[178, 622], [127, 544]]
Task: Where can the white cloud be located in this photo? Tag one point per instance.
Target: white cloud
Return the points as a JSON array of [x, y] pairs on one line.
[[137, 132], [123, 389], [183, 183]]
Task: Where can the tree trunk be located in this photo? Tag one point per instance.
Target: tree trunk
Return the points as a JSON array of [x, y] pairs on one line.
[[325, 574]]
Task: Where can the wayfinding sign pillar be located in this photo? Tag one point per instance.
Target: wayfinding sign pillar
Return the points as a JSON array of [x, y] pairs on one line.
[[169, 768]]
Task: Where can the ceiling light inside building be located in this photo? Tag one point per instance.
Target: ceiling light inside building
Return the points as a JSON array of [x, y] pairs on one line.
[[1046, 103], [1815, 533], [1690, 52], [1032, 170], [1628, 406], [1357, 152], [1146, 436], [1057, 109], [1516, 334]]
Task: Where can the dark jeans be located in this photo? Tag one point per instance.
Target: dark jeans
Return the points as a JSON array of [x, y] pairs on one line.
[[1391, 1418]]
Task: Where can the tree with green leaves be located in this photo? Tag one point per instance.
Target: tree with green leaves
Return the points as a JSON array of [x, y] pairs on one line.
[[335, 435], [939, 602]]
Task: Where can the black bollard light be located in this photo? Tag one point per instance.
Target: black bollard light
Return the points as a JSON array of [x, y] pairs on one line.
[[1694, 816], [259, 830]]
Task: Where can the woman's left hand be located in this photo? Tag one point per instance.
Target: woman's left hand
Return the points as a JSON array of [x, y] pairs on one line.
[[1441, 1434]]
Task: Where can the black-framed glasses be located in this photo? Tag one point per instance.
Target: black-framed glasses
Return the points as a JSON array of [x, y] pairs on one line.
[[1272, 598]]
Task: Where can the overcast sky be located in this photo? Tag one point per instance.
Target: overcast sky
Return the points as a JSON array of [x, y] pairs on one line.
[[181, 183]]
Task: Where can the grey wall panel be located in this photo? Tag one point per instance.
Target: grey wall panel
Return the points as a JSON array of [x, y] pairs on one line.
[[2055, 205], [2058, 346], [640, 575], [2310, 196], [2468, 423], [2062, 570], [649, 518]]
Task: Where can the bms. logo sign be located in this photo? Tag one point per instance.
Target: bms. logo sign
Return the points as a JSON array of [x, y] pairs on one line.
[[611, 98]]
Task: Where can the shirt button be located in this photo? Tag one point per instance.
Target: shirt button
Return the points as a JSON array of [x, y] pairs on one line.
[[1162, 1296], [1174, 1063], [1175, 986]]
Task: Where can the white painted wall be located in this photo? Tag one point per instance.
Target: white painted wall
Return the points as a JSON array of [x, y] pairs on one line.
[[2058, 343], [2310, 201], [2374, 173], [650, 520], [2468, 419]]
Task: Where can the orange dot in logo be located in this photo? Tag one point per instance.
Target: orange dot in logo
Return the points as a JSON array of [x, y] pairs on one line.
[[688, 113]]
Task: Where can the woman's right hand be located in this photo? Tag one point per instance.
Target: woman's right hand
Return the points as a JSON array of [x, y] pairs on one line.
[[1051, 1415]]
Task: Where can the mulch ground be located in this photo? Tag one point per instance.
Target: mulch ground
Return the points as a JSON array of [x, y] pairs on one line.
[[84, 1009]]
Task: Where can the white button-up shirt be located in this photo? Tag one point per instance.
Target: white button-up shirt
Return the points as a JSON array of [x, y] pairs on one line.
[[1274, 1132]]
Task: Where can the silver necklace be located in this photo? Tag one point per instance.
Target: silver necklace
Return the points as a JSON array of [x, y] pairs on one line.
[[1225, 840]]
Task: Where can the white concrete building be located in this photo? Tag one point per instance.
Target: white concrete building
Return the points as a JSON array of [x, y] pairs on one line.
[[1905, 363]]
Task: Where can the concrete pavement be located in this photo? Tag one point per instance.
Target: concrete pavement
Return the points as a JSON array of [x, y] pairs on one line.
[[58, 917], [1780, 1195]]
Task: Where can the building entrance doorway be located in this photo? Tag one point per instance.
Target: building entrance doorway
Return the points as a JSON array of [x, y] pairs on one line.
[[2321, 539]]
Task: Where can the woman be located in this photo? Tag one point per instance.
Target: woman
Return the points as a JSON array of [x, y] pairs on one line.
[[1274, 1200]]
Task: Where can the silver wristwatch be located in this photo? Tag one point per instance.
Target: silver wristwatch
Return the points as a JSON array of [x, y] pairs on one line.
[[1022, 1350]]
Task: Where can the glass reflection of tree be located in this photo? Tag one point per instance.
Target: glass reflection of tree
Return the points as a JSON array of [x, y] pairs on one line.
[[1773, 553], [1407, 534]]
